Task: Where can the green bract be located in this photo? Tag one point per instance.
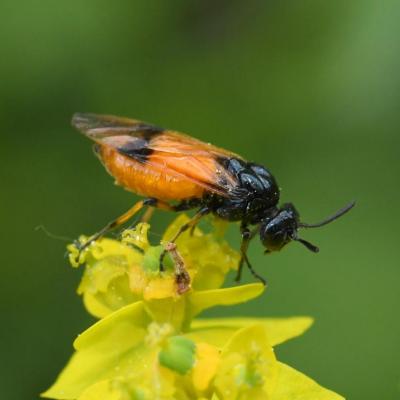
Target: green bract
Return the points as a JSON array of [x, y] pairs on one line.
[[147, 344]]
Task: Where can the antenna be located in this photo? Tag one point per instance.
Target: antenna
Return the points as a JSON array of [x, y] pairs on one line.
[[309, 245], [338, 214]]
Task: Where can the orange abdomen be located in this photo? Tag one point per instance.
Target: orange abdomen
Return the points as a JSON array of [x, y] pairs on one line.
[[145, 180]]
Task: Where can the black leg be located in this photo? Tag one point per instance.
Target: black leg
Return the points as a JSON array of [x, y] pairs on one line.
[[253, 272], [193, 222], [247, 236]]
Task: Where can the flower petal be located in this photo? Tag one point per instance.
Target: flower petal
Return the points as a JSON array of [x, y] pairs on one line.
[[293, 385], [102, 303], [102, 351], [127, 321], [207, 361], [138, 236], [248, 367], [105, 283], [105, 390], [87, 367], [202, 300], [217, 331]]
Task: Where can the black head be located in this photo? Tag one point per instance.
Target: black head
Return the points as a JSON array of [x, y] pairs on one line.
[[282, 228]]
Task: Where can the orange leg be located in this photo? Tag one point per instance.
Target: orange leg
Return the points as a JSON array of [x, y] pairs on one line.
[[151, 203], [147, 215], [113, 224], [162, 206]]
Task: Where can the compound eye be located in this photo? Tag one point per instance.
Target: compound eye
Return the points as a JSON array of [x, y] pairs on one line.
[[274, 241]]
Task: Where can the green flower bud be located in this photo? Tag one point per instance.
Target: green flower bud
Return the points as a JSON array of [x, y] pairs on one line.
[[178, 354]]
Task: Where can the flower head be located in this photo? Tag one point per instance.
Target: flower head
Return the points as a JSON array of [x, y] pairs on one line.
[[148, 343], [118, 273]]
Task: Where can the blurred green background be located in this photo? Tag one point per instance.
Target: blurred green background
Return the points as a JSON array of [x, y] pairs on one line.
[[311, 89]]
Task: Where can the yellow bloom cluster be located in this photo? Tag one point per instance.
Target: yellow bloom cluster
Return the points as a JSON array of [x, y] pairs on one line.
[[147, 344]]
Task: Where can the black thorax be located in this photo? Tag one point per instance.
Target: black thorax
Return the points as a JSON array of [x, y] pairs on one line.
[[253, 198]]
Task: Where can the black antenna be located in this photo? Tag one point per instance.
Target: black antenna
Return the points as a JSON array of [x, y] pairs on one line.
[[309, 245], [338, 214]]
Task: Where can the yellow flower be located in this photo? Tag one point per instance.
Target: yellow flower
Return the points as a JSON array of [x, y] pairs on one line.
[[248, 368], [205, 367], [148, 344], [118, 273]]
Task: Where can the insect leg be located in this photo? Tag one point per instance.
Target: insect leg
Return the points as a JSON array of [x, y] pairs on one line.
[[118, 221], [192, 222], [162, 205], [155, 203], [247, 236], [253, 272], [147, 214], [188, 205]]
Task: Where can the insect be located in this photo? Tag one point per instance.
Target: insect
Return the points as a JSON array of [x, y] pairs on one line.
[[176, 172]]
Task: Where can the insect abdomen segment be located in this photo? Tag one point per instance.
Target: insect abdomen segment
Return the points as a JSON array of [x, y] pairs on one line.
[[146, 180]]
